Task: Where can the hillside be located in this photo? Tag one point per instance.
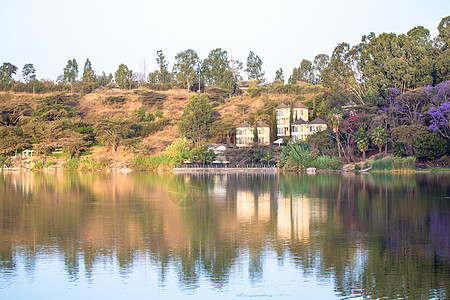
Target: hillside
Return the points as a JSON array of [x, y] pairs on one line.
[[76, 111]]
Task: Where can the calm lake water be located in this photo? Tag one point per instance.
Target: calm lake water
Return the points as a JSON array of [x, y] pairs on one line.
[[148, 236]]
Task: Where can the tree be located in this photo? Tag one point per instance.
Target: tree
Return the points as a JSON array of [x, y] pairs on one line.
[[123, 76], [254, 68], [196, 118], [379, 137], [70, 73], [29, 73], [321, 61], [279, 75], [255, 134], [88, 73], [111, 132], [335, 119], [304, 73], [224, 127], [163, 76], [362, 142], [215, 65], [6, 71], [185, 67]]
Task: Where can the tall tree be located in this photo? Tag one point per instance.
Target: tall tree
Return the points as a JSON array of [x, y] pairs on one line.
[[335, 119], [321, 61], [196, 118], [70, 73], [215, 66], [6, 71], [123, 76], [279, 75], [88, 73], [254, 68], [29, 73], [223, 128], [163, 76], [185, 67], [303, 73]]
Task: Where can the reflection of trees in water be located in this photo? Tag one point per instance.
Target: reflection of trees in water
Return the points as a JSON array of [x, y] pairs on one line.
[[374, 235]]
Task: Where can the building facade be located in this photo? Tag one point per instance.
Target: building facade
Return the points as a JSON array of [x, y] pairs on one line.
[[245, 134], [283, 113], [301, 129]]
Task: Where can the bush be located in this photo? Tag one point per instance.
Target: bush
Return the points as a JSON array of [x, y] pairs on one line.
[[149, 163], [322, 162], [394, 164], [336, 163], [367, 165], [71, 164], [50, 163], [39, 165], [357, 168]]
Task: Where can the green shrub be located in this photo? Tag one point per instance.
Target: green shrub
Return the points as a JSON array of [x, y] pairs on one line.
[[71, 164], [39, 165], [150, 163], [357, 168], [336, 163], [50, 163], [367, 165], [322, 162], [394, 164]]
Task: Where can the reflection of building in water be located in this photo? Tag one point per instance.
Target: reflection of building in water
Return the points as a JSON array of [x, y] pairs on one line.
[[251, 206], [296, 215]]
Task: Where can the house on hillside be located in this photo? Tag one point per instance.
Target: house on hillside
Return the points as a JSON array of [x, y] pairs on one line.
[[283, 112], [302, 129], [245, 134]]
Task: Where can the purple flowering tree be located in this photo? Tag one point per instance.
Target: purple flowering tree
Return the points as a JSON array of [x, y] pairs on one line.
[[440, 117], [439, 113]]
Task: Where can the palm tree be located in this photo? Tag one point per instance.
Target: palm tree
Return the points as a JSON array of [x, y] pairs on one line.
[[379, 137], [362, 142], [335, 119]]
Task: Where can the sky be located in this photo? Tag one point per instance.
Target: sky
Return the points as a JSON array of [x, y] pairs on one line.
[[48, 33]]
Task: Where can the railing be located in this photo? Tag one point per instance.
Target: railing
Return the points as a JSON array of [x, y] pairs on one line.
[[195, 166]]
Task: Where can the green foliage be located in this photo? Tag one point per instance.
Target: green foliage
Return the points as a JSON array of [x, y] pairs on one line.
[[357, 168], [362, 141], [254, 68], [49, 163], [296, 156], [123, 76], [38, 166], [325, 162], [196, 118], [71, 71], [430, 146], [185, 67], [394, 164], [150, 163], [379, 137]]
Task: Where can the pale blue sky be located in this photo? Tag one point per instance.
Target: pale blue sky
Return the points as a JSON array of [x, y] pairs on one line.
[[48, 33]]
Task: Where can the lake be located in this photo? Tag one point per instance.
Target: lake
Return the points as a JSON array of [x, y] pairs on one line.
[[288, 236]]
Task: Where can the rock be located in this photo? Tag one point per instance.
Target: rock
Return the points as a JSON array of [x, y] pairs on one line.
[[311, 171]]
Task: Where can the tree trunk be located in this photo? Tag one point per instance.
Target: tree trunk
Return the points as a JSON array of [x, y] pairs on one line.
[[364, 154], [338, 143]]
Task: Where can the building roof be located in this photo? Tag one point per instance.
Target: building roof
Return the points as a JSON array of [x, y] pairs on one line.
[[318, 121], [281, 106], [299, 122], [243, 125], [262, 124], [300, 105]]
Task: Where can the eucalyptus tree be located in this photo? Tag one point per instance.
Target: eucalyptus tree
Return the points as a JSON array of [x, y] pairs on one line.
[[88, 73], [29, 73], [70, 72], [321, 61], [7, 70], [196, 118], [186, 68], [304, 73], [279, 75], [254, 68], [163, 74]]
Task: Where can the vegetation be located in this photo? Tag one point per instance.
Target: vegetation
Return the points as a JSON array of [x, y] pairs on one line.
[[388, 91]]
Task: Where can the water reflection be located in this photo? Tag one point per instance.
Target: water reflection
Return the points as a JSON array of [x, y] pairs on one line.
[[363, 235]]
